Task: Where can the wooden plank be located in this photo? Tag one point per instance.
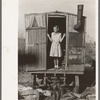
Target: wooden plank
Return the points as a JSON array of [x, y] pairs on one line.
[[72, 22], [41, 66], [39, 71], [43, 36], [31, 50], [84, 35], [40, 49], [53, 12], [57, 16], [37, 47], [33, 37], [33, 14], [34, 53], [41, 54], [76, 84], [37, 59], [75, 39], [83, 54], [44, 55], [37, 36], [40, 62], [33, 28], [76, 68], [67, 35], [43, 48], [73, 70], [29, 37], [26, 42], [40, 38], [34, 80]]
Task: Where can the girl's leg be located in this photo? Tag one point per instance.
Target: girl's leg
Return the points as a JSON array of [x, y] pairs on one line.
[[54, 62], [57, 62]]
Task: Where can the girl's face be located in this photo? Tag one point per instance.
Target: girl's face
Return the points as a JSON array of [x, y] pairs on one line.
[[55, 29]]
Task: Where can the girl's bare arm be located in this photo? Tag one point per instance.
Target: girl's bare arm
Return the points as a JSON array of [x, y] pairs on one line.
[[62, 37], [49, 37]]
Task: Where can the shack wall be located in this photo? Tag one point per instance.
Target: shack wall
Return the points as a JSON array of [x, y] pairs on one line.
[[37, 43], [37, 48], [76, 42]]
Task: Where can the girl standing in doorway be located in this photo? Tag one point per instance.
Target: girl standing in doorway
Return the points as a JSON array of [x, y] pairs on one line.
[[55, 50]]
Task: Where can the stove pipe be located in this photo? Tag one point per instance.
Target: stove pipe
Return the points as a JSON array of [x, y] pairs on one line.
[[78, 26]]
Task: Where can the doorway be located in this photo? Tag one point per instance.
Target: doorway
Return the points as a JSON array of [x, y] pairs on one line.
[[61, 22]]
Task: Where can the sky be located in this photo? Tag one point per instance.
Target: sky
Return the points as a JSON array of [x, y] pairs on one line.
[[39, 6]]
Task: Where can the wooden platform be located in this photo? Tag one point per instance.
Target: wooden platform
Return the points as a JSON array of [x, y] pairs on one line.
[[57, 72], [73, 69]]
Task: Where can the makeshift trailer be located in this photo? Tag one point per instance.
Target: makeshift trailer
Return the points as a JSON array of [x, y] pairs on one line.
[[73, 46]]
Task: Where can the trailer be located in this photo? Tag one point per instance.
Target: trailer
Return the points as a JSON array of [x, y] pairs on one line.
[[73, 46]]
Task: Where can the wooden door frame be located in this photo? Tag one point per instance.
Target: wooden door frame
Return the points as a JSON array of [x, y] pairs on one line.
[[67, 40], [60, 15]]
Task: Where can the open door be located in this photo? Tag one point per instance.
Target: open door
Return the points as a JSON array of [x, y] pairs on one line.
[[60, 20], [76, 45], [36, 41]]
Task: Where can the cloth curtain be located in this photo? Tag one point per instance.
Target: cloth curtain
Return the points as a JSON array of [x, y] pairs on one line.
[[35, 20]]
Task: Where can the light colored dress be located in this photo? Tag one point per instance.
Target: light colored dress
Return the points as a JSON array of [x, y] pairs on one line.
[[55, 50]]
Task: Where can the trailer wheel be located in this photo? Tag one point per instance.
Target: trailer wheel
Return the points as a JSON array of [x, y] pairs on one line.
[[76, 89]]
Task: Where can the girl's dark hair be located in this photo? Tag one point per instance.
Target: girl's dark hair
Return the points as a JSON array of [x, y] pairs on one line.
[[56, 26]]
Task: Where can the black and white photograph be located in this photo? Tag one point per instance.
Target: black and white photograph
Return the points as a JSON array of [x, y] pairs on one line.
[[56, 49]]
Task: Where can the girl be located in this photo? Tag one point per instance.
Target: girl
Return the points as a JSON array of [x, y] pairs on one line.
[[55, 50]]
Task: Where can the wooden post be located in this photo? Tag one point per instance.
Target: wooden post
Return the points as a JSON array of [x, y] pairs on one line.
[[34, 80], [54, 74], [45, 78], [76, 83], [26, 46], [26, 42], [67, 41], [64, 79]]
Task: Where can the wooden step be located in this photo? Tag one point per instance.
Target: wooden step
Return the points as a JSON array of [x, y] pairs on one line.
[[62, 77], [53, 77]]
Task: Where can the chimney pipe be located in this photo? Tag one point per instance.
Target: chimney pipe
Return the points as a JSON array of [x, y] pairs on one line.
[[77, 27]]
